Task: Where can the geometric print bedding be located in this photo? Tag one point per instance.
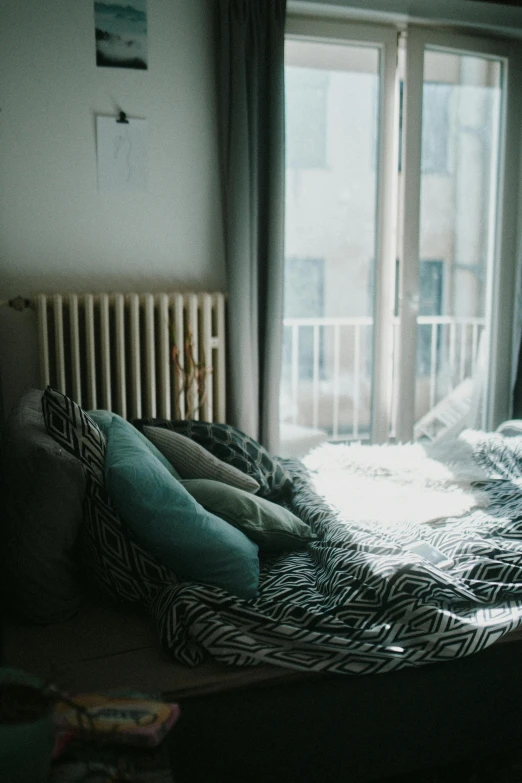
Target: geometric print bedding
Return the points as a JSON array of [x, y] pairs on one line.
[[353, 602], [112, 558], [74, 430]]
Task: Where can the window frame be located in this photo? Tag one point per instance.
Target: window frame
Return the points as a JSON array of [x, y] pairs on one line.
[[502, 352]]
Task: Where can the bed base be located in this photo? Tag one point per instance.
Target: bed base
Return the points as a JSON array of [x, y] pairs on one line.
[[336, 729]]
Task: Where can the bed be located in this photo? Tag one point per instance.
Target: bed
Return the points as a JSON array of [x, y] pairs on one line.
[[354, 657]]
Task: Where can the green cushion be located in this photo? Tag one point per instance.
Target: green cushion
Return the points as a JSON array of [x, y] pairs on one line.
[[271, 526], [104, 420], [169, 522]]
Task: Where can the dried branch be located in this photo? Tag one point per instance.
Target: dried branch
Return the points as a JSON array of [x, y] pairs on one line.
[[192, 378]]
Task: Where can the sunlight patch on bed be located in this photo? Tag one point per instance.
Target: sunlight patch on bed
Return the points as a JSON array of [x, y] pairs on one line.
[[391, 485]]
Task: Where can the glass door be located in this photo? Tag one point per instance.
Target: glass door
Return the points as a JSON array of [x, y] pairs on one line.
[[451, 247], [402, 165], [339, 254]]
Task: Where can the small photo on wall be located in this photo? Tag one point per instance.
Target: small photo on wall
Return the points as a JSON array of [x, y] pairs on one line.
[[121, 33]]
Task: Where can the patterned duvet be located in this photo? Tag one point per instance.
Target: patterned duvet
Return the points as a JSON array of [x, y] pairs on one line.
[[355, 601]]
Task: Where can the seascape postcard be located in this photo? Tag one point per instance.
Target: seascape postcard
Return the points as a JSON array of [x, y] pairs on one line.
[[121, 33]]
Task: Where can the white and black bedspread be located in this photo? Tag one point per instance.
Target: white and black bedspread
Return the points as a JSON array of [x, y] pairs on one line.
[[354, 601]]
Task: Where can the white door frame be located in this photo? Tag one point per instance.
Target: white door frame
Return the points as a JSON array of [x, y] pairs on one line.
[[500, 308]]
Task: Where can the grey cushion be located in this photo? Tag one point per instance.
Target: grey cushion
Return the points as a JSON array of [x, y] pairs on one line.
[[234, 447], [192, 461], [43, 490]]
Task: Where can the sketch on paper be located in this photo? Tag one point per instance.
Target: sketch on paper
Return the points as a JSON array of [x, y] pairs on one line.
[[121, 33], [121, 155]]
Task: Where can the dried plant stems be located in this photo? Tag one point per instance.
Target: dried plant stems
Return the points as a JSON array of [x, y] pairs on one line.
[[192, 378]]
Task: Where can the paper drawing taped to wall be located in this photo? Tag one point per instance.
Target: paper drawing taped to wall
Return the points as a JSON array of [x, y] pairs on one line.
[[121, 155], [121, 33]]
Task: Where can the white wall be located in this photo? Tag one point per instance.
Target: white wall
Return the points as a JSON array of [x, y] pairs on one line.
[[57, 233]]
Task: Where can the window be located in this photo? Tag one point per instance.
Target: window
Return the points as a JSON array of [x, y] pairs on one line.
[[306, 113], [435, 127], [430, 303], [304, 298], [365, 186]]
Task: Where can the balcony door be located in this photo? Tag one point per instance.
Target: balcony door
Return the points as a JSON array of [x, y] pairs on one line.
[[398, 266], [456, 203], [340, 212]]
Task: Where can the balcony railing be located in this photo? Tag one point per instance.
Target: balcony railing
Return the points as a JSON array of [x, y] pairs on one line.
[[327, 369]]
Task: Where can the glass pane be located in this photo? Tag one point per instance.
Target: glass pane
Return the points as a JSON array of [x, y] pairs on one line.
[[331, 173], [460, 127]]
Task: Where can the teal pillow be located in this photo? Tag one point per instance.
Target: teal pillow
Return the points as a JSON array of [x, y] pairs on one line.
[[168, 522], [104, 420], [272, 527]]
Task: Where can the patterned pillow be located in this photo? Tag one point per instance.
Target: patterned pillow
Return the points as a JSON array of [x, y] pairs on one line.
[[74, 430], [112, 557], [192, 461], [238, 449]]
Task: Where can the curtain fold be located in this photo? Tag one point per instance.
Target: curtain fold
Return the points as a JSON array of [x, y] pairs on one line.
[[250, 67]]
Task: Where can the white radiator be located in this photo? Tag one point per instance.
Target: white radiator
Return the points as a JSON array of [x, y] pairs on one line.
[[117, 352]]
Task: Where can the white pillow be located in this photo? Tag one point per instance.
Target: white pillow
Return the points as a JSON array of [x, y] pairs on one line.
[[193, 461]]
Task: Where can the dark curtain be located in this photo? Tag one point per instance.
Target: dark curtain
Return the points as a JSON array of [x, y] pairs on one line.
[[250, 52]]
